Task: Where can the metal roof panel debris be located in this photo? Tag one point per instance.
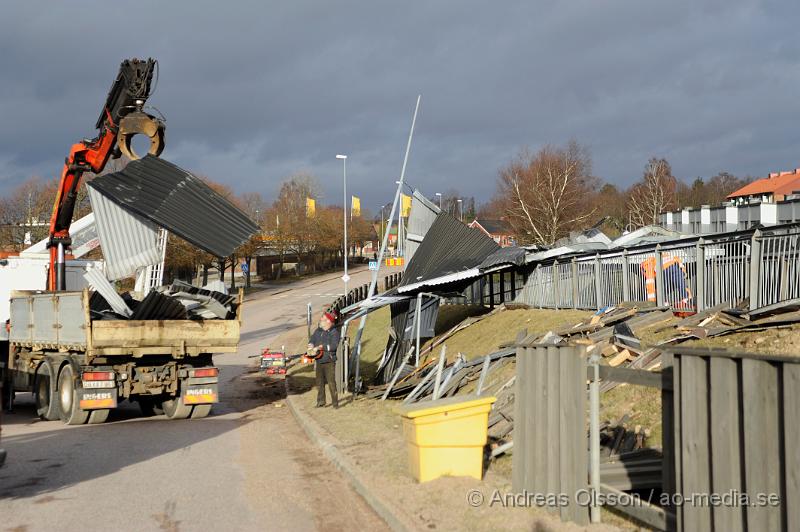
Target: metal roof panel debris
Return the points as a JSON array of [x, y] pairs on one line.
[[513, 256], [157, 306], [178, 201], [423, 214], [129, 242], [98, 281], [450, 248]]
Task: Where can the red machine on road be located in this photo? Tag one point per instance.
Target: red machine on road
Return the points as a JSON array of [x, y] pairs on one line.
[[273, 362]]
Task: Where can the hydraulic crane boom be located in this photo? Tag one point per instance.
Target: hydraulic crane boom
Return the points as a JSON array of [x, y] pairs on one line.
[[120, 120]]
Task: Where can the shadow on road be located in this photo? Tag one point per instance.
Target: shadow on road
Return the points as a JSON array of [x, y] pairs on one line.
[[265, 332], [49, 456]]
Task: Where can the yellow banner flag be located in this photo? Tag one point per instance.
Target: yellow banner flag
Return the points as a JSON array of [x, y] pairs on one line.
[[355, 209], [405, 205], [311, 208]]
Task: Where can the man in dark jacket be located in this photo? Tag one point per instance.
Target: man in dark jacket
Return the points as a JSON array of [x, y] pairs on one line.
[[322, 347]]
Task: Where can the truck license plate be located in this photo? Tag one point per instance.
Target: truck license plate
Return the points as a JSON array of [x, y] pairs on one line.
[[95, 399], [201, 394]]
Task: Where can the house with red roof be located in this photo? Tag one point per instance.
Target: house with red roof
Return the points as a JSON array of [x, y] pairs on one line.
[[499, 230], [770, 189]]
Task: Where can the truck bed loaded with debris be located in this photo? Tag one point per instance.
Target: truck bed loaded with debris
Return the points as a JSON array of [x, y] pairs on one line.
[[82, 354], [79, 353]]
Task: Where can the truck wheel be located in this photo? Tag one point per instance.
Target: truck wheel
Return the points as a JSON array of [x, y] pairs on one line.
[[71, 412], [98, 416], [200, 411], [175, 408], [150, 405], [45, 392]]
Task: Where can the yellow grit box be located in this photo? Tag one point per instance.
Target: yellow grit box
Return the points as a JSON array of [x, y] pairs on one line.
[[446, 437]]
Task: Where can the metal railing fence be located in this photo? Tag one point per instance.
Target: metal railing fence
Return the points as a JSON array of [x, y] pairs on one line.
[[690, 274]]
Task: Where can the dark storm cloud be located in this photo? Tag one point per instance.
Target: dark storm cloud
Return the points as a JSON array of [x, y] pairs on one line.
[[254, 91]]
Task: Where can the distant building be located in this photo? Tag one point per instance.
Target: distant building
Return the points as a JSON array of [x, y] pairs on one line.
[[499, 230], [731, 217], [773, 200], [779, 186]]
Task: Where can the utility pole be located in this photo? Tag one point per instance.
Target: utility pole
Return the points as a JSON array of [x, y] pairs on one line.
[[345, 206]]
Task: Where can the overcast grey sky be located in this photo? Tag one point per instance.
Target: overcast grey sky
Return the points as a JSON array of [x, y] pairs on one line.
[[254, 91]]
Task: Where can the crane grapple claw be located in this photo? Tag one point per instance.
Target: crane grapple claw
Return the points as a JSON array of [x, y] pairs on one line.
[[140, 123]]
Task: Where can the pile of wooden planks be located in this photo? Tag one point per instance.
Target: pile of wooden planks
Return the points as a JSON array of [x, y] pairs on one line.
[[723, 319]]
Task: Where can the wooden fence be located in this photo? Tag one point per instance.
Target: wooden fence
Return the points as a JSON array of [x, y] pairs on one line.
[[735, 421], [731, 425], [550, 438]]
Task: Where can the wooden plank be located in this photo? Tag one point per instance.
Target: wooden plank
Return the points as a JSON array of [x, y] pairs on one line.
[[638, 377], [694, 443], [554, 420], [573, 458], [725, 440], [761, 440], [537, 420], [791, 435], [677, 385], [619, 358], [668, 432], [521, 403]]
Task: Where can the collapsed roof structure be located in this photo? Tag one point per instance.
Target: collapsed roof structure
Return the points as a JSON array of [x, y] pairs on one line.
[[130, 206], [170, 197], [450, 252]]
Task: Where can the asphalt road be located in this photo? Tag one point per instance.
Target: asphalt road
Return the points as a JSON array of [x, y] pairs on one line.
[[248, 466]]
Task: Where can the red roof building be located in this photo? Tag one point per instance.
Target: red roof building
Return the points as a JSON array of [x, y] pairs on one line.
[[770, 189], [499, 230]]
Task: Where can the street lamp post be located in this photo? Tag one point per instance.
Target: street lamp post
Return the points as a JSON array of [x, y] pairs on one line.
[[440, 199], [460, 209], [345, 277], [382, 207]]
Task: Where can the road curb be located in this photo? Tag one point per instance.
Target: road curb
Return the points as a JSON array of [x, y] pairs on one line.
[[326, 442]]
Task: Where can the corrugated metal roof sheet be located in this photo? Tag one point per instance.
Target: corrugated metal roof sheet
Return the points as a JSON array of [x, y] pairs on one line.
[[128, 242], [429, 310], [509, 255], [450, 249], [98, 281], [423, 214], [179, 202], [157, 306]]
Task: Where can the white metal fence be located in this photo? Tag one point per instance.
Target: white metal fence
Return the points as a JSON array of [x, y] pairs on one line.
[[689, 274]]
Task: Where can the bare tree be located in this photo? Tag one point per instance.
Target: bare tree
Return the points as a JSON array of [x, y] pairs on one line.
[[256, 208], [654, 194], [25, 213], [457, 205], [611, 214], [288, 227], [547, 195]]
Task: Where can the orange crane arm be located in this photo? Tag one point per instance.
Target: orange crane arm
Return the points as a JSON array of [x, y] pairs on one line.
[[120, 119]]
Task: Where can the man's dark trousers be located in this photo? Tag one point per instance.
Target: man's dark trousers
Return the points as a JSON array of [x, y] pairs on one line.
[[326, 373]]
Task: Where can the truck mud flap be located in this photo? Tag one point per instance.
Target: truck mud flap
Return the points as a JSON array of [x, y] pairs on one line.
[[200, 394], [97, 399]]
